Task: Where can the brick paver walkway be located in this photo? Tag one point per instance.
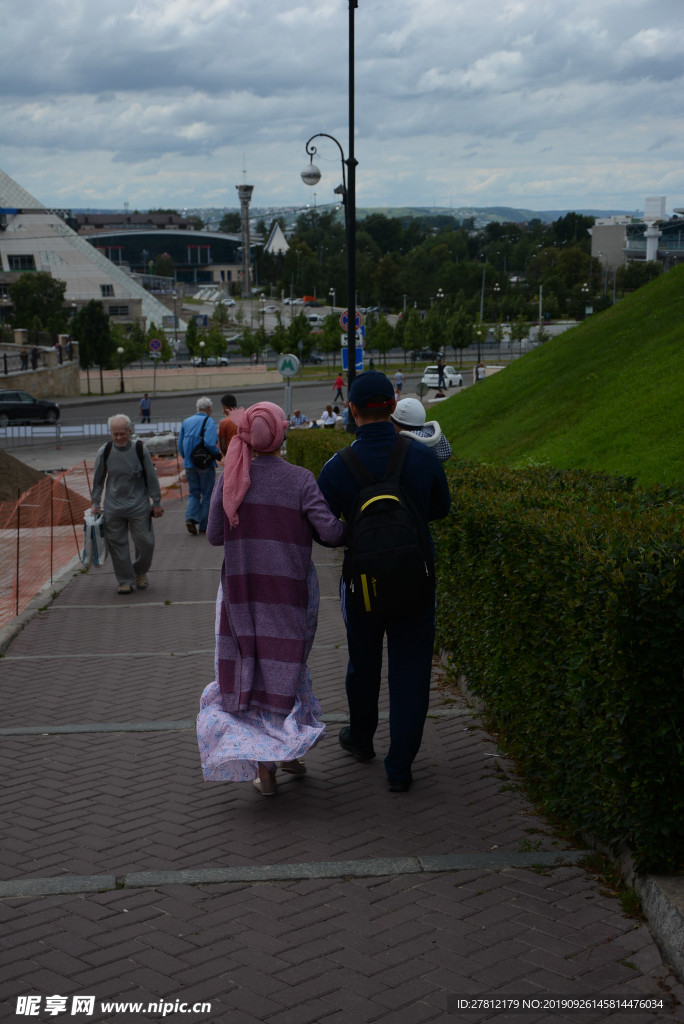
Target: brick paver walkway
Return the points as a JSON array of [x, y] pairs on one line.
[[336, 950]]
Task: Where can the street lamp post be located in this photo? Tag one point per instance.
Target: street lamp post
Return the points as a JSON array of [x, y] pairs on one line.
[[202, 344], [331, 293], [347, 190], [479, 340], [121, 352], [262, 300]]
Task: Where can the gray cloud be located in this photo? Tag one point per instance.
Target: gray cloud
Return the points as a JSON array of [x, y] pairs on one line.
[[181, 88]]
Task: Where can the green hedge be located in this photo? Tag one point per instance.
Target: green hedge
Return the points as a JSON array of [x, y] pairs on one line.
[[313, 448], [561, 600]]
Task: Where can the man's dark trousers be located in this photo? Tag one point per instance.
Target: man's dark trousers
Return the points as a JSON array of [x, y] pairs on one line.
[[410, 643]]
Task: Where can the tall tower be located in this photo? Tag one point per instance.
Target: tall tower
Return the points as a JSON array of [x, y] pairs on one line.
[[245, 193]]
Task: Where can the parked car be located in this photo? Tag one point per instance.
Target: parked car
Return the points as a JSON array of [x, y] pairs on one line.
[[209, 361], [313, 303], [315, 358], [271, 309], [315, 318], [452, 377], [20, 407]]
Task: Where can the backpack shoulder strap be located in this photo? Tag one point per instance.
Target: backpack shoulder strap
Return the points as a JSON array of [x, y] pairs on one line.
[[140, 452], [203, 428], [397, 459], [356, 467], [106, 453]]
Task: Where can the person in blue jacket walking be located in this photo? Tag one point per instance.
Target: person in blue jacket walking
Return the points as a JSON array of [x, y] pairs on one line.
[[410, 637], [200, 481]]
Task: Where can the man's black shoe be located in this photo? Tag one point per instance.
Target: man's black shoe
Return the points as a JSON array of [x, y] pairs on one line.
[[191, 526], [346, 744], [400, 785]]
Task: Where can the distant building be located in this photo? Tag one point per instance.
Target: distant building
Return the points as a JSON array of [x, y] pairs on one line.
[[199, 257], [34, 238], [277, 244], [91, 222], [617, 240]]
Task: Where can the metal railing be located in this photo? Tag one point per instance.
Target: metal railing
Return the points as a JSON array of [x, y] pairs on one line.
[[39, 434]]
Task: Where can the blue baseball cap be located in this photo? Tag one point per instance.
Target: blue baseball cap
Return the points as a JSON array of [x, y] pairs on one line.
[[371, 390]]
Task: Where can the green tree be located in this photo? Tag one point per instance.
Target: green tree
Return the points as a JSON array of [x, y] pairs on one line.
[[130, 342], [91, 328], [39, 296], [215, 342], [499, 333], [543, 335], [459, 331], [413, 334], [330, 342], [280, 339], [383, 338], [195, 222], [230, 223], [221, 315], [433, 331], [250, 343], [300, 330], [164, 265], [192, 338], [520, 330], [137, 342]]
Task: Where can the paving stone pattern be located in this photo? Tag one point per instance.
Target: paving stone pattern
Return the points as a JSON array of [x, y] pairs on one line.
[[338, 951]]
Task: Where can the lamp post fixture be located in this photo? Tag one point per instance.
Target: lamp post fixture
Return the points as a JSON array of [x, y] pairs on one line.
[[262, 300], [121, 352], [585, 296], [479, 340], [440, 295], [202, 344], [497, 293], [331, 293], [311, 175]]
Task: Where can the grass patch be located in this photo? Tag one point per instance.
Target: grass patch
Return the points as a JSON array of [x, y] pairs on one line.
[[607, 874], [605, 395]]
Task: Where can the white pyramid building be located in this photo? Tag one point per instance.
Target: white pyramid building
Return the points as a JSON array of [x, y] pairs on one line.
[[35, 238]]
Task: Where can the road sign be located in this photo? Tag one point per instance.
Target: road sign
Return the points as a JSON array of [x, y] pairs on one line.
[[359, 359], [344, 320], [155, 355], [421, 388], [155, 345], [360, 340], [287, 365]]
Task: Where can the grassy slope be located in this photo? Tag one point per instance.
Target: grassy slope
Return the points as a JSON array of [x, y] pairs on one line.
[[607, 395]]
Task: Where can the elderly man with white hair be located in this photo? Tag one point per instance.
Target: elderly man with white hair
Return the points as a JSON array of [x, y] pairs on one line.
[[132, 483], [198, 444]]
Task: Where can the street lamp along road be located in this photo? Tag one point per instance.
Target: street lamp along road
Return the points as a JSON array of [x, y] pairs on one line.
[[202, 344], [121, 352], [311, 175]]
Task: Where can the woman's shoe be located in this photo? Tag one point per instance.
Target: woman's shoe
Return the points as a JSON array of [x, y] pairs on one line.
[[295, 767], [266, 787]]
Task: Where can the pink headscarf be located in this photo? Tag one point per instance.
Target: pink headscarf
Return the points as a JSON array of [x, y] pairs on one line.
[[261, 428]]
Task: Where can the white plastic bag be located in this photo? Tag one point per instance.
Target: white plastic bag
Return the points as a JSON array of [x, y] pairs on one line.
[[94, 544]]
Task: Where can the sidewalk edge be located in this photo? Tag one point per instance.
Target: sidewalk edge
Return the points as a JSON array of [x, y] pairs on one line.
[[42, 599]]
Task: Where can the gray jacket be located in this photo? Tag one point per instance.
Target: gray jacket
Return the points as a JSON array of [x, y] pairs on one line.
[[125, 493]]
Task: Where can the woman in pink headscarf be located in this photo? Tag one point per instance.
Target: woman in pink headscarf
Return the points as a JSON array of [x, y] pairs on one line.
[[261, 710]]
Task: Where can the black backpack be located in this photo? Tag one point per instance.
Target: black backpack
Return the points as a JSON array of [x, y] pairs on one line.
[[139, 451], [388, 562], [200, 456]]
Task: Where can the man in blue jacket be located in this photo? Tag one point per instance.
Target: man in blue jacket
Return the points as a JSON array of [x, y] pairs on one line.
[[200, 481], [410, 638]]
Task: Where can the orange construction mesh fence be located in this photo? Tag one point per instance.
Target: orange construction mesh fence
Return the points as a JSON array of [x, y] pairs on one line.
[[42, 531]]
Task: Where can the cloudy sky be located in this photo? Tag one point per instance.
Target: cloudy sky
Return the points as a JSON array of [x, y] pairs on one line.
[[538, 103]]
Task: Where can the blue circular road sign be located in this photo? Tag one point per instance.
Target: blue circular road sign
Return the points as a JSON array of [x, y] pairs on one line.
[[344, 320]]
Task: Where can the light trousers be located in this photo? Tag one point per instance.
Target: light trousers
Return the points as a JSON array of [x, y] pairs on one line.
[[116, 531]]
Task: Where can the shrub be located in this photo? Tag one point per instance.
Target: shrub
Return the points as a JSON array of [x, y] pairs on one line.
[[561, 599], [313, 448]]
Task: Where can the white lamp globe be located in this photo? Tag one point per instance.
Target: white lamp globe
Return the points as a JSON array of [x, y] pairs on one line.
[[311, 175]]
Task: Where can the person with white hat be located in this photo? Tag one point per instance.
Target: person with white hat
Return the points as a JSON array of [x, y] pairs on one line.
[[409, 418]]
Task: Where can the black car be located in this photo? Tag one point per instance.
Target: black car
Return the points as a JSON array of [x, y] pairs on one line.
[[315, 359], [20, 407]]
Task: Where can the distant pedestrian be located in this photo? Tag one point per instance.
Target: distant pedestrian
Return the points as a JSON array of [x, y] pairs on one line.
[[388, 589], [479, 373], [145, 408], [35, 356], [299, 419], [371, 364], [197, 443], [345, 414], [409, 417], [131, 483], [227, 428], [24, 356], [339, 384], [398, 381], [441, 380], [58, 350], [70, 350], [329, 417], [260, 712]]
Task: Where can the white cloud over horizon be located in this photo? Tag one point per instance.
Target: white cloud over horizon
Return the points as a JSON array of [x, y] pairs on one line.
[[470, 102]]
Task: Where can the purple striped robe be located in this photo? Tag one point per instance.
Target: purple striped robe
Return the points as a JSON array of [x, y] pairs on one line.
[[261, 643]]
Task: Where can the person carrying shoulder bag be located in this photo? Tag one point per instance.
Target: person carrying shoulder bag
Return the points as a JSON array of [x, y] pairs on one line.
[[131, 484], [198, 445]]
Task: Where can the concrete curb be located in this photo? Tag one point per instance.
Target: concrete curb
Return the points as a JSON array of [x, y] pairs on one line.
[[44, 597], [371, 868], [662, 896]]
